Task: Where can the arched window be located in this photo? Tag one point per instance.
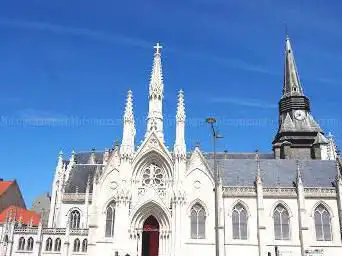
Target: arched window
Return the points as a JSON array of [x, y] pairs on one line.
[[110, 219], [29, 244], [281, 223], [84, 245], [322, 224], [6, 239], [75, 218], [58, 245], [239, 221], [21, 245], [48, 245], [77, 245], [197, 218]]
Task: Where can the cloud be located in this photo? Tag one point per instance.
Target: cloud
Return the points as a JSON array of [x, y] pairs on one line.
[[39, 115], [92, 34], [225, 61], [329, 81], [244, 102]]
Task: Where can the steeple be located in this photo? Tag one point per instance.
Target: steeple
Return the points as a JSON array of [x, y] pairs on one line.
[[127, 145], [292, 84], [180, 148], [156, 89], [297, 129]]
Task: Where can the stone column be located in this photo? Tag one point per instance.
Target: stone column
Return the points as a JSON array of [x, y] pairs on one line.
[[260, 217], [339, 192], [302, 214], [221, 219]]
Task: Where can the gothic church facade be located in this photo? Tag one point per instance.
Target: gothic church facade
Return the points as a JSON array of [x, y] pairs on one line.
[[148, 200]]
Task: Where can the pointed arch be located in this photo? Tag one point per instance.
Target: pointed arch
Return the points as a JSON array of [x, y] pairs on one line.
[[69, 215], [197, 201], [281, 222], [236, 202], [58, 244], [30, 243], [107, 172], [48, 244], [240, 215], [198, 219], [151, 208], [288, 209], [85, 245], [21, 244], [77, 245], [206, 172], [325, 205], [110, 219], [322, 220], [149, 157]]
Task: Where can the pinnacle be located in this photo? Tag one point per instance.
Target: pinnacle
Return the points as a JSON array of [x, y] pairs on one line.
[[156, 81], [128, 116], [180, 107], [257, 159], [299, 174]]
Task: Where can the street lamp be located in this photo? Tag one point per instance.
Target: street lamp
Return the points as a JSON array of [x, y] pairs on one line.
[[211, 121]]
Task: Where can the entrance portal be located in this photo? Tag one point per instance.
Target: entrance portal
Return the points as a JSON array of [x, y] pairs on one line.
[[150, 237]]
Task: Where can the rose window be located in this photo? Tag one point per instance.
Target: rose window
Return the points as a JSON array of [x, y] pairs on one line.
[[153, 176]]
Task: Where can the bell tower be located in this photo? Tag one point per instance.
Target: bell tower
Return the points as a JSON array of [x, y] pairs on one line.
[[299, 136]]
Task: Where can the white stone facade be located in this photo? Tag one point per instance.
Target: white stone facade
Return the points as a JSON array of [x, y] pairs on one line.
[[176, 187]]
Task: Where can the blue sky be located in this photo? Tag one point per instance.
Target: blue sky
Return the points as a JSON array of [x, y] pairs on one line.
[[66, 67]]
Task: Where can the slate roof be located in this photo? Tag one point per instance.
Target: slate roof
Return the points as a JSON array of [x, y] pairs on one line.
[[83, 157], [282, 172], [237, 169], [78, 178]]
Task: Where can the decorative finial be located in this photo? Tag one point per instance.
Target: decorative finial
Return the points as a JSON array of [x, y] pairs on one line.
[[158, 47], [286, 32]]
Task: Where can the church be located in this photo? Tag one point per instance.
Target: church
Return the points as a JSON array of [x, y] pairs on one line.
[[149, 200]]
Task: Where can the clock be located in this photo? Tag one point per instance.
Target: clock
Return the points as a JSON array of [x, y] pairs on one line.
[[299, 115]]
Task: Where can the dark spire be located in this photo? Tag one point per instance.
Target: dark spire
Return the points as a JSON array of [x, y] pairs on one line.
[[292, 86]]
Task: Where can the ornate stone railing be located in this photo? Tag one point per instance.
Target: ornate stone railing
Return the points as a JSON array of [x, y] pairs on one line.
[[54, 231], [320, 192], [283, 192], [80, 232], [25, 230], [239, 191], [279, 192], [75, 197]]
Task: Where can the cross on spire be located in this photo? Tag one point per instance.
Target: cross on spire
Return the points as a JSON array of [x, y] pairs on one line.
[[158, 47]]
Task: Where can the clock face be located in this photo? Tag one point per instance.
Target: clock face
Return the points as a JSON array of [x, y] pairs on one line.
[[299, 115]]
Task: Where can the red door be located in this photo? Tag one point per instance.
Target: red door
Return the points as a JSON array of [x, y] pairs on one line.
[[150, 237]]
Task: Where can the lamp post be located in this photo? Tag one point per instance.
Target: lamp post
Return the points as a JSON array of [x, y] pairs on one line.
[[211, 121]]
